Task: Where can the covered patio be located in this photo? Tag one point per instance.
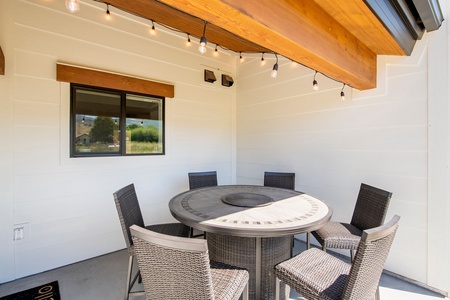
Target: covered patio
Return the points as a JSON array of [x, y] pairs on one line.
[[394, 135]]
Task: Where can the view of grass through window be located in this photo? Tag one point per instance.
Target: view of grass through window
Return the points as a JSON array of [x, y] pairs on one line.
[[116, 123]]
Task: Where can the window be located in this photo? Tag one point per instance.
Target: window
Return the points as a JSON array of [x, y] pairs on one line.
[[107, 122]]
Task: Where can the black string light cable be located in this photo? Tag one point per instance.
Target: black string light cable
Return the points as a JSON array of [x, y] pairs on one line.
[[203, 42]]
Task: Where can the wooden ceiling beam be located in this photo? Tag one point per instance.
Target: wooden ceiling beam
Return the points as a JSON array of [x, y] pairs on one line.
[[299, 30], [177, 19], [358, 18]]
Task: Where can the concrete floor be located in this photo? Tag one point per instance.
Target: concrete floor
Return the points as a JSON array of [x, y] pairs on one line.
[[104, 278]]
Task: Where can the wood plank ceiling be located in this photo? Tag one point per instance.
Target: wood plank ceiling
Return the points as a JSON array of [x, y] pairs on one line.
[[340, 39]]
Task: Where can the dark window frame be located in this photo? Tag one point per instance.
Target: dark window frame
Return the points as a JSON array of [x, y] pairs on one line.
[[122, 125]]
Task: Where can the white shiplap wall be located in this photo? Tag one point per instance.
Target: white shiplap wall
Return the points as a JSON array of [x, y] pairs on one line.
[[66, 202], [379, 137]]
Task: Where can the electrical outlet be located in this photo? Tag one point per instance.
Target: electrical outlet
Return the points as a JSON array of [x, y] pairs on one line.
[[20, 231]]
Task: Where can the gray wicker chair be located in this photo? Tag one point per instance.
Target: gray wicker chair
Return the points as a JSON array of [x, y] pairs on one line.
[[370, 211], [280, 180], [317, 275], [127, 205], [284, 181], [199, 180], [202, 179], [175, 268]]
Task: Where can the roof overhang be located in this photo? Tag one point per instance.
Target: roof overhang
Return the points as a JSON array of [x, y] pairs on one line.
[[340, 39]]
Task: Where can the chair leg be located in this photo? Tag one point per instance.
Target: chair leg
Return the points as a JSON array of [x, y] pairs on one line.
[[377, 293], [245, 292], [352, 256], [277, 288], [292, 246], [308, 240], [127, 286]]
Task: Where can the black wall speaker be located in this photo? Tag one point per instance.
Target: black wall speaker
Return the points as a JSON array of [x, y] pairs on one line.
[[209, 76], [227, 80]]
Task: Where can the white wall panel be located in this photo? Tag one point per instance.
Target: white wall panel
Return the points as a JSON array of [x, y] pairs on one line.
[[379, 138], [62, 198]]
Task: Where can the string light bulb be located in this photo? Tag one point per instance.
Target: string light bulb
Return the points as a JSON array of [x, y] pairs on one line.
[[274, 73], [262, 59], [108, 14], [73, 6], [188, 40], [241, 59], [342, 92], [216, 52], [203, 42], [315, 84], [153, 31]]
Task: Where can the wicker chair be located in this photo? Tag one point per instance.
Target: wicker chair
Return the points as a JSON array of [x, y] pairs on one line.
[[280, 180], [370, 210], [284, 181], [317, 275], [127, 205], [202, 179], [175, 268], [199, 180]]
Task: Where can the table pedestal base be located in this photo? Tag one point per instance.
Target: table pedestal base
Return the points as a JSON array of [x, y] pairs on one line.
[[257, 255]]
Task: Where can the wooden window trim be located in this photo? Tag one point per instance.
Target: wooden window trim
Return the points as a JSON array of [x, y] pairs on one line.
[[97, 78], [2, 62]]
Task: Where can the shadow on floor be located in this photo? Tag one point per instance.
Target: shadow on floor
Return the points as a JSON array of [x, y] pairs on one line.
[[103, 277]]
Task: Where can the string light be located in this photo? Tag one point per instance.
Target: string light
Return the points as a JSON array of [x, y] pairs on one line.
[[216, 52], [315, 84], [153, 31], [203, 42], [108, 14], [73, 6], [274, 73], [188, 40], [342, 92]]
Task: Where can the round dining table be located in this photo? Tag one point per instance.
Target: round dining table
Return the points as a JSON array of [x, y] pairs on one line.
[[251, 226]]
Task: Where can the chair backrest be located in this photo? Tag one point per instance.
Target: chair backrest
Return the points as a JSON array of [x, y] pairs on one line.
[[172, 267], [202, 179], [280, 180], [368, 264], [127, 205], [371, 207]]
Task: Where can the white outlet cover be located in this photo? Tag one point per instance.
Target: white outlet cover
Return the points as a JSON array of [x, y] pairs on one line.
[[23, 234]]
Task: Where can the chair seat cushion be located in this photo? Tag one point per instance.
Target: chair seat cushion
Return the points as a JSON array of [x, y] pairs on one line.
[[228, 281], [315, 274], [338, 235]]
